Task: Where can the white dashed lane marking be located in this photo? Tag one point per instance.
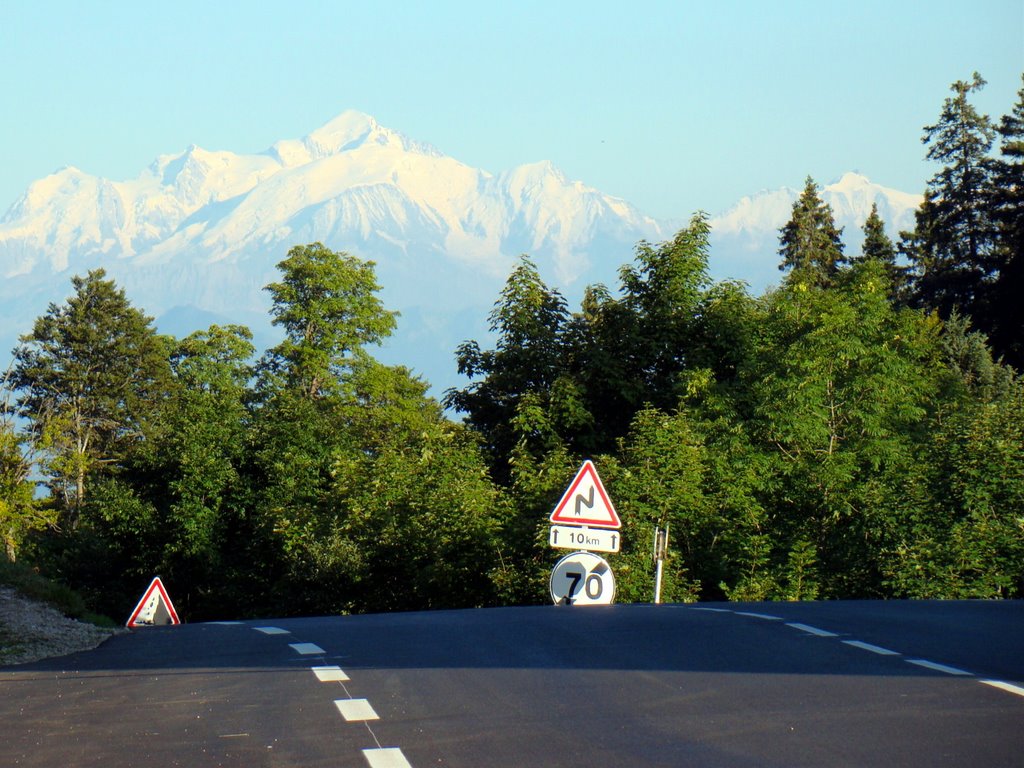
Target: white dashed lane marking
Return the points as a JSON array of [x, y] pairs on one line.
[[924, 663], [356, 709], [386, 757], [353, 710], [938, 667], [306, 649], [764, 616], [330, 674], [873, 648], [812, 630]]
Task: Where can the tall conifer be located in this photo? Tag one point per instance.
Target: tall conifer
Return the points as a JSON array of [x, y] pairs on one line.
[[951, 249], [1007, 310], [810, 243]]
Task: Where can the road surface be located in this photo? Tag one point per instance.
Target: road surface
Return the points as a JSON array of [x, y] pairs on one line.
[[739, 685]]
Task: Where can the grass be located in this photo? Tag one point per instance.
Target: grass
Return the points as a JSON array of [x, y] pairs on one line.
[[37, 587]]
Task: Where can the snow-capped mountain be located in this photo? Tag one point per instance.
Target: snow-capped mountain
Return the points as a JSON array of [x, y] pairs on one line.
[[200, 232], [195, 237], [745, 238]]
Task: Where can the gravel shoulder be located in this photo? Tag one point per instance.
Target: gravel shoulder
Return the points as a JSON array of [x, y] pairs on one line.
[[30, 631]]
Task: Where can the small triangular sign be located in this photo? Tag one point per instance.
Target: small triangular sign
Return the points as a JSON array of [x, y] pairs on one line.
[[154, 609], [586, 502]]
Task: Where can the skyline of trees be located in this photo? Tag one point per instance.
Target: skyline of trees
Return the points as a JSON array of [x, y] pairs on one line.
[[854, 432]]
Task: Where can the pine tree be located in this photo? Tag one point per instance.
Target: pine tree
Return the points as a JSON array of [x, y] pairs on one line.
[[1006, 307], [951, 249], [877, 244], [810, 243], [878, 247]]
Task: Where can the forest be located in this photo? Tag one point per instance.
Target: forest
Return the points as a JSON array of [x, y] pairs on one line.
[[855, 432]]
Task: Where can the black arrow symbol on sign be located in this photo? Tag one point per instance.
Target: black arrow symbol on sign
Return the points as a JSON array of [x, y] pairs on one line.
[[581, 502]]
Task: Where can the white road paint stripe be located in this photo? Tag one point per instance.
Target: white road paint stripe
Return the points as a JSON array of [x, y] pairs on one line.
[[306, 649], [1003, 686], [330, 674], [759, 616], [355, 709], [812, 630], [873, 648], [272, 630], [938, 667], [386, 757]]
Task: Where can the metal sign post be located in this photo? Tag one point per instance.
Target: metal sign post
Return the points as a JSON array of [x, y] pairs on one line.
[[660, 547]]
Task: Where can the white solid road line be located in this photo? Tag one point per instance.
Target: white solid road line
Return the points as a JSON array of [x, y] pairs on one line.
[[938, 667], [873, 648], [812, 630], [386, 757], [764, 616]]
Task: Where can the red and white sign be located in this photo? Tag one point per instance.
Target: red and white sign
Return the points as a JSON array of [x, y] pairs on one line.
[[586, 502], [154, 609]]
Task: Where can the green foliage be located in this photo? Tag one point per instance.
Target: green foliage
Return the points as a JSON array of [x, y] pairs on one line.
[[878, 247], [90, 374], [660, 484], [418, 505], [971, 544], [842, 383], [327, 306], [661, 295], [20, 513], [516, 401]]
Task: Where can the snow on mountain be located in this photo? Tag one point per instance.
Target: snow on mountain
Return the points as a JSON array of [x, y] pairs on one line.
[[199, 233], [745, 238], [195, 237]]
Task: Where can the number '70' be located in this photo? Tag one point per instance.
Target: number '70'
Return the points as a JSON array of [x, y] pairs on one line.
[[593, 586]]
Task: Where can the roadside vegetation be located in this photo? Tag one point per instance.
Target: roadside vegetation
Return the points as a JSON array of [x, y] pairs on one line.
[[33, 586], [856, 432]]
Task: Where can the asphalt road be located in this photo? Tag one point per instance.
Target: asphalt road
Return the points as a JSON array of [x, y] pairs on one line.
[[769, 684]]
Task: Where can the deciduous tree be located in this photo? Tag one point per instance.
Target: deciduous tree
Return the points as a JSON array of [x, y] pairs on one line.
[[90, 374]]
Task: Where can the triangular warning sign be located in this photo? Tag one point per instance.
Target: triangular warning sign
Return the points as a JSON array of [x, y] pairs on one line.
[[586, 502], [154, 609]]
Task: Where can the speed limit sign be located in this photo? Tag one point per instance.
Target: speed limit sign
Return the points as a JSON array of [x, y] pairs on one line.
[[582, 578]]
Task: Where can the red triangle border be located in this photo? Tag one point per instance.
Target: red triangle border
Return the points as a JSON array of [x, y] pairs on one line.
[[588, 468]]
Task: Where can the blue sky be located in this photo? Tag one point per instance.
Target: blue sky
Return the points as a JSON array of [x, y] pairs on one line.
[[675, 106]]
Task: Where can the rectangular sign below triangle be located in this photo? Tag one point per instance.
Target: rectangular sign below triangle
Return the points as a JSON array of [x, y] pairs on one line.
[[154, 609], [586, 502]]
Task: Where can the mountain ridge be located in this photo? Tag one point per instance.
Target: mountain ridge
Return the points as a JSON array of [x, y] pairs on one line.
[[198, 232]]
